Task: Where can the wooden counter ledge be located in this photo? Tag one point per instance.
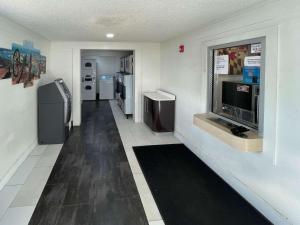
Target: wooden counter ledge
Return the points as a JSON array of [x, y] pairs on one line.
[[252, 143]]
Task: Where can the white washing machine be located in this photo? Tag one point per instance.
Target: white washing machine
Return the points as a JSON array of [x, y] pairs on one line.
[[129, 64], [126, 94], [122, 64], [106, 87], [88, 64], [88, 85], [88, 79]]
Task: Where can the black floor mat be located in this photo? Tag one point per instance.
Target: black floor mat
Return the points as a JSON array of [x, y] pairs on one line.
[[188, 192]]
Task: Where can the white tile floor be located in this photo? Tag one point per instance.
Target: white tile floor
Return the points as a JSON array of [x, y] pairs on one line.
[[17, 215], [21, 194], [137, 134], [7, 195]]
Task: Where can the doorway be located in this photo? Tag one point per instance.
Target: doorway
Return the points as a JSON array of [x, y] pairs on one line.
[[108, 75]]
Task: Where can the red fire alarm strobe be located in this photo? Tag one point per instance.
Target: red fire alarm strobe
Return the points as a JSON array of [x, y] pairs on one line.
[[181, 48]]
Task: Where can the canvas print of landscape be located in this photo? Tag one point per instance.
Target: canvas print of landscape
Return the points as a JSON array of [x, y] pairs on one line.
[[23, 64], [5, 63]]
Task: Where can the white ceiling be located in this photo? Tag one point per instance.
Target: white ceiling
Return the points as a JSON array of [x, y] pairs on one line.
[[129, 20]]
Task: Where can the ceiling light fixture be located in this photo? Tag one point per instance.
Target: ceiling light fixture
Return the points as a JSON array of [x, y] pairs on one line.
[[110, 35]]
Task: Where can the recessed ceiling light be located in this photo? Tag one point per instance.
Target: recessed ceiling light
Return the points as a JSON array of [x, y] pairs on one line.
[[110, 35]]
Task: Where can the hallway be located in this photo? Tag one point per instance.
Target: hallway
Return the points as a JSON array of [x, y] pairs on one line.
[[91, 182]]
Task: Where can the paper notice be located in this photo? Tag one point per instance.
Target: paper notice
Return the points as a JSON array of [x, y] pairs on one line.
[[252, 61], [256, 48], [221, 64]]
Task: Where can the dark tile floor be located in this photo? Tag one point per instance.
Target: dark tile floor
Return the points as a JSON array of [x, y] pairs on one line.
[[91, 182], [188, 192]]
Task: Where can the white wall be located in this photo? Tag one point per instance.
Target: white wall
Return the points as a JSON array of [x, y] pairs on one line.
[[107, 65], [147, 67], [269, 180], [18, 106]]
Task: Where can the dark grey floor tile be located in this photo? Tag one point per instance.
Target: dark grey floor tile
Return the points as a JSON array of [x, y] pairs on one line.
[[91, 182]]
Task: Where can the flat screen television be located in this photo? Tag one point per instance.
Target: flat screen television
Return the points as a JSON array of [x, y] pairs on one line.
[[237, 95], [240, 102]]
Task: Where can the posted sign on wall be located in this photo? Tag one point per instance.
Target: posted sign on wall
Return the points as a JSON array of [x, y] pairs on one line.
[[256, 48], [221, 64], [252, 61]]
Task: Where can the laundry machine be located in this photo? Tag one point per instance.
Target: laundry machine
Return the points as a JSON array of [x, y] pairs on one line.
[[88, 85], [129, 64], [106, 87], [126, 94], [117, 85], [88, 64], [122, 64]]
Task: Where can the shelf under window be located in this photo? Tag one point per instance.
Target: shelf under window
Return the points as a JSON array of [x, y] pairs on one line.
[[252, 143]]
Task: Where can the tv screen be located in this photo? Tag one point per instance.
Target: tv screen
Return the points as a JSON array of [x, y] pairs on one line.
[[237, 95]]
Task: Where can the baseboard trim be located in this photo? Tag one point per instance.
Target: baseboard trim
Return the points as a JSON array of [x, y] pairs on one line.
[[253, 198], [16, 165]]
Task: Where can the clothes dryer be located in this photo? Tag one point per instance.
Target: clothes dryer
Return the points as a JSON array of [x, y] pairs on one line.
[[88, 86]]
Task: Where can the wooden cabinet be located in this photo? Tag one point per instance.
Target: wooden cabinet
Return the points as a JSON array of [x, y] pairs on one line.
[[159, 111], [148, 112]]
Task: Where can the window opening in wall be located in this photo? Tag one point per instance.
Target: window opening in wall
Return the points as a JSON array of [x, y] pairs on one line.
[[236, 82]]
